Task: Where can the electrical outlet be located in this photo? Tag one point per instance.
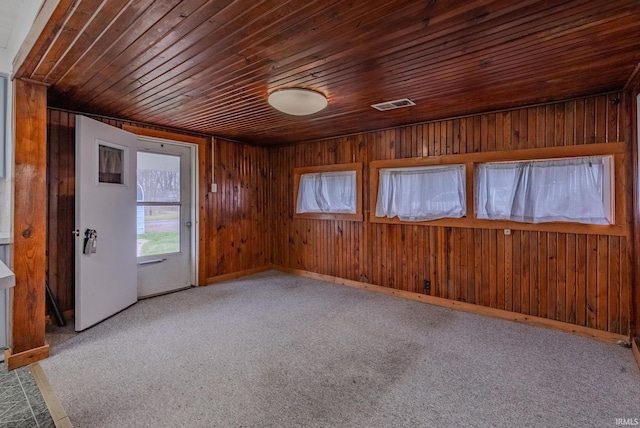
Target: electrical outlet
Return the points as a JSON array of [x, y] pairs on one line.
[[427, 285]]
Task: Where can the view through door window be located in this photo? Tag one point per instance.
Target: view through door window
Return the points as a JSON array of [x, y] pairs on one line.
[[159, 200]]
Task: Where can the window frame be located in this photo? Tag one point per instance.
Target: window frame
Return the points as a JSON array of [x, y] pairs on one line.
[[344, 167], [617, 149]]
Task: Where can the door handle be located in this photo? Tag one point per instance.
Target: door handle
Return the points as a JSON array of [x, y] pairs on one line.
[[148, 262], [188, 224], [76, 232]]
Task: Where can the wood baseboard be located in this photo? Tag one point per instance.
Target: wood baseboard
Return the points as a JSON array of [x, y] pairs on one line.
[[238, 274], [25, 358], [635, 346], [465, 307]]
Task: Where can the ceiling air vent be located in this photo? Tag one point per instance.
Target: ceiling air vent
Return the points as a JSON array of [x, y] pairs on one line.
[[390, 105]]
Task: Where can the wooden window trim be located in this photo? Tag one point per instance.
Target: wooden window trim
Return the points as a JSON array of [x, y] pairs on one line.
[[356, 166], [620, 228]]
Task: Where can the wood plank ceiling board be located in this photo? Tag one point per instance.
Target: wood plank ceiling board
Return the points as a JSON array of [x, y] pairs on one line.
[[209, 66]]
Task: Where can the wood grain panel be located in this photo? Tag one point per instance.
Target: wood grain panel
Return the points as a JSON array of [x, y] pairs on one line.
[[236, 231], [30, 223], [238, 212], [208, 66], [562, 275]]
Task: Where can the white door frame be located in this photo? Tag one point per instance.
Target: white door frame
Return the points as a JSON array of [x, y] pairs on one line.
[[195, 203]]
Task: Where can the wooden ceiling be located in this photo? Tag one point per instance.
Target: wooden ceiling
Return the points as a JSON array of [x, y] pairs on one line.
[[208, 66]]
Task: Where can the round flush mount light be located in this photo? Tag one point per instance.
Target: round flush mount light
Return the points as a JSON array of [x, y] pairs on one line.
[[297, 101]]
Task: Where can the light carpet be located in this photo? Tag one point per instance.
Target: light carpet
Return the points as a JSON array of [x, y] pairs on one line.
[[274, 350]]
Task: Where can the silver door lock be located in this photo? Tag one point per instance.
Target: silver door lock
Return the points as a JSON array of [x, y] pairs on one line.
[[90, 241]]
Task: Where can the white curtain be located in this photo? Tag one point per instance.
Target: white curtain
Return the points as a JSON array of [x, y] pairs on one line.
[[571, 189], [422, 193], [330, 192], [110, 168]]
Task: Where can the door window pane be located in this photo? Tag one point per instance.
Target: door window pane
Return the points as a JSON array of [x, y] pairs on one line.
[[159, 177], [158, 229], [110, 165]]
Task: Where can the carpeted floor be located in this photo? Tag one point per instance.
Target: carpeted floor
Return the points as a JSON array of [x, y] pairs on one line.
[[273, 350]]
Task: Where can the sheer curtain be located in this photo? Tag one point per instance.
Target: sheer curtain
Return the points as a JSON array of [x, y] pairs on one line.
[[110, 168], [330, 192], [571, 189], [422, 193]]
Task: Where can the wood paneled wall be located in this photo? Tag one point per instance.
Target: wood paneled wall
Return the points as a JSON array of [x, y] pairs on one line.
[[236, 237], [575, 278], [238, 213], [633, 91]]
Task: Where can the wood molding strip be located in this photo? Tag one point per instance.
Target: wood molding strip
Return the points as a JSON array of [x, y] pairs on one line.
[[578, 150], [58, 414], [465, 307], [636, 351], [238, 274], [25, 358]]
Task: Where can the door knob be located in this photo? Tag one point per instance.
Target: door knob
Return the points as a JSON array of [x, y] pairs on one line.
[[76, 232]]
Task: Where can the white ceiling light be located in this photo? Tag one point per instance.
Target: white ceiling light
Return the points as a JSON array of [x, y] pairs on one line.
[[297, 101]]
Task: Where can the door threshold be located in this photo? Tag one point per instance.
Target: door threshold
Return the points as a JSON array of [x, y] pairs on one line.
[[165, 292]]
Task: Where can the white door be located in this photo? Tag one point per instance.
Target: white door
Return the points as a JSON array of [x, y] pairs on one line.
[[164, 217], [106, 280]]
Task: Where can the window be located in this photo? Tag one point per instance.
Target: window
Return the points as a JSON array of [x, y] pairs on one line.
[[482, 191], [422, 193], [159, 204], [571, 189], [329, 192]]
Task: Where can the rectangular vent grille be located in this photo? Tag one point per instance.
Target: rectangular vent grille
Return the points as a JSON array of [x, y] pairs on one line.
[[390, 105]]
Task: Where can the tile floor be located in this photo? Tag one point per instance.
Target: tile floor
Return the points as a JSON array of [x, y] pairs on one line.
[[21, 403]]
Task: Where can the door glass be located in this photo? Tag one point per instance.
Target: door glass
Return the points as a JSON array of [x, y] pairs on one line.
[[159, 200], [110, 165], [159, 230]]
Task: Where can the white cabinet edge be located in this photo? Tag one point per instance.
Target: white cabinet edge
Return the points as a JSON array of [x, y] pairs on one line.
[[7, 278]]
